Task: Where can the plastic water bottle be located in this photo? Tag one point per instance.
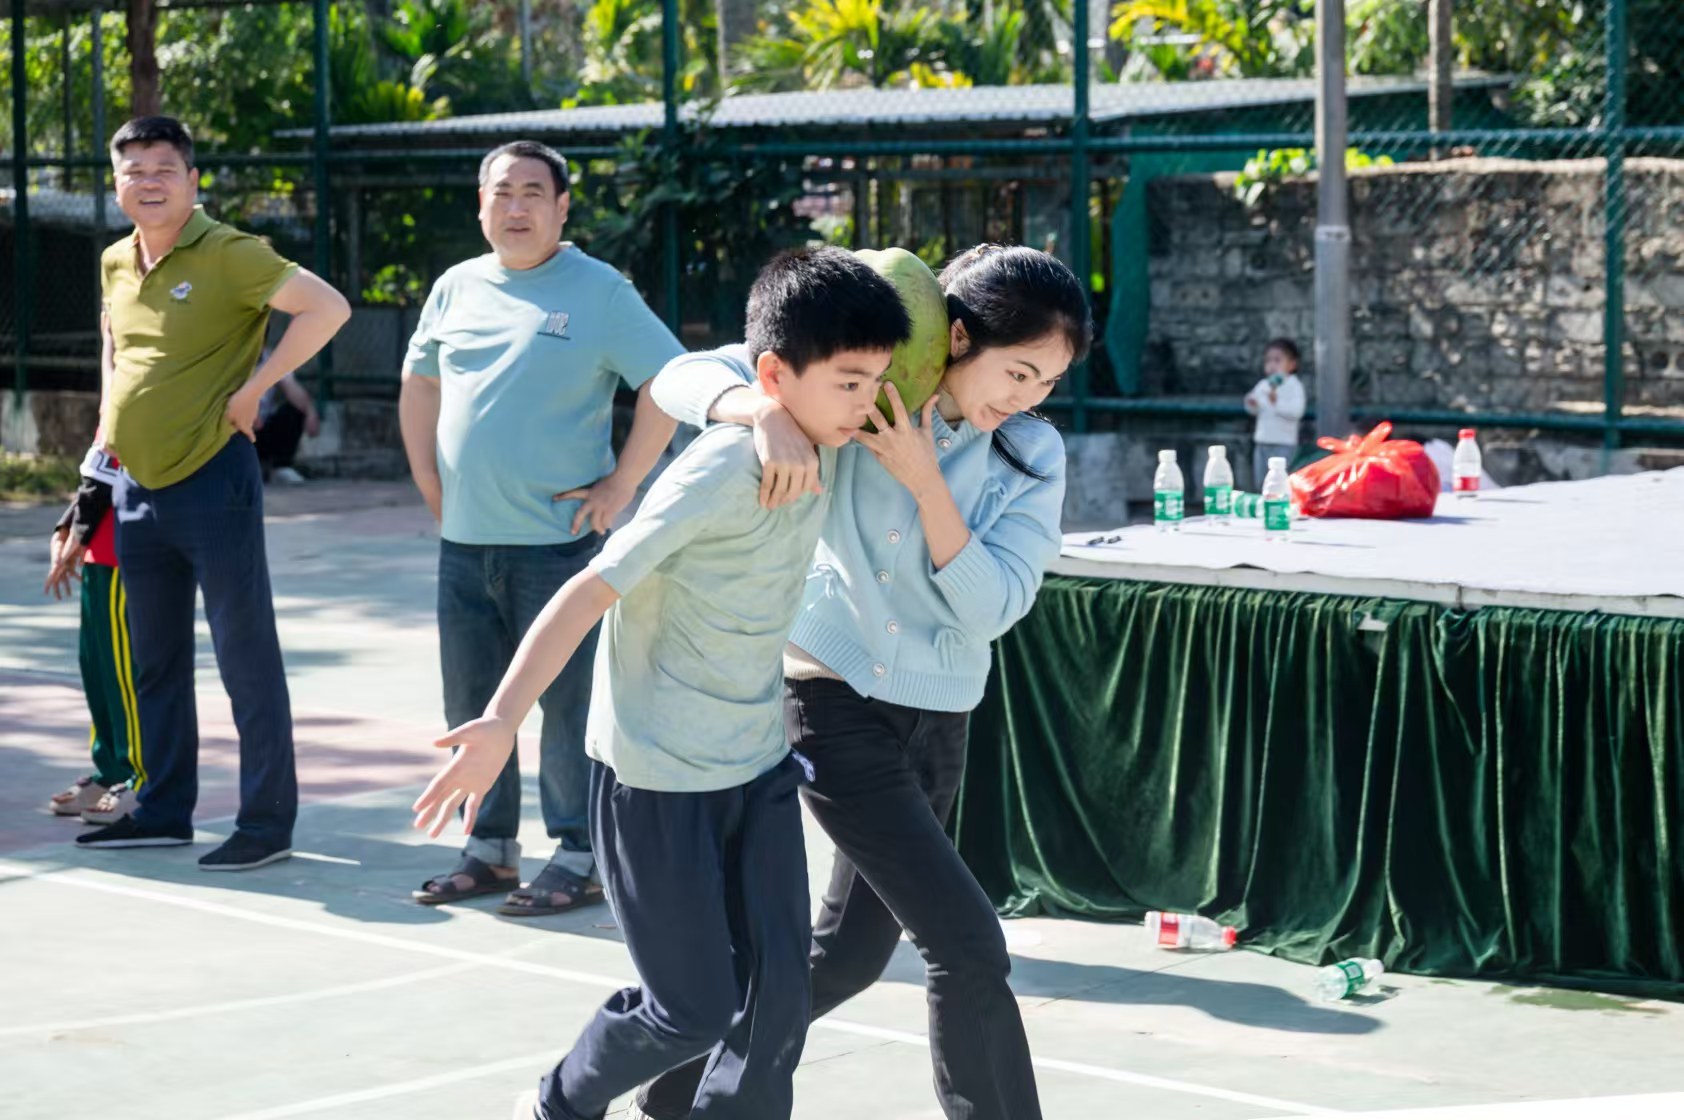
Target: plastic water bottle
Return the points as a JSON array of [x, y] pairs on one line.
[[1188, 931], [1219, 487], [1347, 978], [1277, 502], [1465, 465], [1169, 495]]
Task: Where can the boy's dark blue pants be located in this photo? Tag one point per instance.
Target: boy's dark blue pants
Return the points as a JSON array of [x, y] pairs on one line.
[[206, 533], [710, 893]]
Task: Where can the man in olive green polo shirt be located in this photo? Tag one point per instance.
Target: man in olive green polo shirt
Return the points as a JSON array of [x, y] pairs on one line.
[[187, 302]]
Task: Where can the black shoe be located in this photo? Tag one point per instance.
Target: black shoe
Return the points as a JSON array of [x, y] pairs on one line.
[[127, 833], [241, 853]]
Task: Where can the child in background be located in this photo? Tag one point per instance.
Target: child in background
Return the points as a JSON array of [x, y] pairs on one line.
[[85, 547], [1278, 403]]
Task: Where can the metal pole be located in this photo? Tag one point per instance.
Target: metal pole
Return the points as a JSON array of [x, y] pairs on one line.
[[1333, 230], [526, 45], [1440, 63], [1080, 187], [1614, 227], [97, 24], [670, 263], [69, 143], [22, 283], [323, 265]]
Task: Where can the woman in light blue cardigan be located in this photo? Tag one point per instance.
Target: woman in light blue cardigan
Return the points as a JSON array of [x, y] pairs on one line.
[[938, 534]]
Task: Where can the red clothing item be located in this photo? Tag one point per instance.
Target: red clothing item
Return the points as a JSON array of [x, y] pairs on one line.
[[102, 546], [99, 474]]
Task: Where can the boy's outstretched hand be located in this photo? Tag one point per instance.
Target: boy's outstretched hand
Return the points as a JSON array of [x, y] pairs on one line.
[[485, 745]]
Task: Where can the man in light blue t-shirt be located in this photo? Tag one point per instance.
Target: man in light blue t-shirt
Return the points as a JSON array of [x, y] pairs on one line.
[[507, 410]]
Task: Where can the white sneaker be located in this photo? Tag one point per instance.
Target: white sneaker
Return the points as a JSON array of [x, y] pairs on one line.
[[286, 476], [110, 808], [526, 1105]]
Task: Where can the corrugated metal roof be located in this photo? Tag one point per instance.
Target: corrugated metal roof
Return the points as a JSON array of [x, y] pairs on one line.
[[1029, 105]]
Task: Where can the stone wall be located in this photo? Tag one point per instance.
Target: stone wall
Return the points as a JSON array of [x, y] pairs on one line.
[[1476, 283]]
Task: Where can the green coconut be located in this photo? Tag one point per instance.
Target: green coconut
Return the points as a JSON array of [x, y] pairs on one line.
[[920, 361]]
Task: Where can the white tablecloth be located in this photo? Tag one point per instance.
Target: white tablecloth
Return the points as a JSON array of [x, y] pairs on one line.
[[1613, 544]]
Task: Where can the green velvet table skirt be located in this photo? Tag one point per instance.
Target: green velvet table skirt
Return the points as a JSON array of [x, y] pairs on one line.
[[1493, 793]]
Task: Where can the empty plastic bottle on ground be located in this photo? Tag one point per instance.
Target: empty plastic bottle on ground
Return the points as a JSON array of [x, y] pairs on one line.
[[1169, 495], [1465, 466], [1219, 486], [1188, 931], [1277, 502], [1347, 978]]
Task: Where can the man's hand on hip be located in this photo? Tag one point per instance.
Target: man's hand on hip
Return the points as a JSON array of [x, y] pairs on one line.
[[242, 410], [599, 503]]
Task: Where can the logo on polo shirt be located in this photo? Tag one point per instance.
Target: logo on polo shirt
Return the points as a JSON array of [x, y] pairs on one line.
[[181, 291], [555, 325]]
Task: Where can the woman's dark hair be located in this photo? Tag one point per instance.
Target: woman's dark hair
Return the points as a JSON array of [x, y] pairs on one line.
[[1008, 295]]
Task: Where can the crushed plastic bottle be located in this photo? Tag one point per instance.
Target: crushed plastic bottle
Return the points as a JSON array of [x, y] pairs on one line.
[[1188, 931], [1347, 978]]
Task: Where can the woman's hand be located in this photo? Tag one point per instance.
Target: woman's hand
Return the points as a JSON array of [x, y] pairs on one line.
[[907, 451]]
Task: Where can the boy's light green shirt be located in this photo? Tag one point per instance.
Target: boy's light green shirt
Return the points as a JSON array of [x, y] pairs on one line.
[[185, 337], [687, 695]]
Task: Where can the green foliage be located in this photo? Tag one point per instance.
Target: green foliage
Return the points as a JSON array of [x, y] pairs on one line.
[[733, 214], [1181, 40], [31, 478], [1267, 168], [1555, 48], [622, 52], [881, 44]]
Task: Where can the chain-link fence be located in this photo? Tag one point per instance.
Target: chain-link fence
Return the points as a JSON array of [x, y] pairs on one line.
[[1516, 246]]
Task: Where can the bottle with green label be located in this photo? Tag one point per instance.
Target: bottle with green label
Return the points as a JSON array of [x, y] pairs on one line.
[[1347, 978], [1277, 502], [1169, 495], [1219, 487]]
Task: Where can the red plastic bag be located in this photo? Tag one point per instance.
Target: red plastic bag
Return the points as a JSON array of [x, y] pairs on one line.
[[1368, 477]]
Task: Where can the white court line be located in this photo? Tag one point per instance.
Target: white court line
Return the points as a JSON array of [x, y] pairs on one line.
[[596, 980], [398, 1089], [239, 1004]]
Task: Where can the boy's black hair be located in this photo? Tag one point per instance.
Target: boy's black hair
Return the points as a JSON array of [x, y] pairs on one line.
[[1285, 346], [155, 130], [810, 304], [529, 149]]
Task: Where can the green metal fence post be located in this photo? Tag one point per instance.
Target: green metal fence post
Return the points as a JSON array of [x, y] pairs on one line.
[[323, 266], [21, 280], [97, 57], [669, 143], [1614, 226], [1080, 188]]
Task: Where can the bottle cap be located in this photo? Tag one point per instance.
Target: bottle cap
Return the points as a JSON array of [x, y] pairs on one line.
[[1166, 456], [1278, 462], [1218, 451], [1465, 433]]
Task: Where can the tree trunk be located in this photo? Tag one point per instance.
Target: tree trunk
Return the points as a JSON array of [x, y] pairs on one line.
[[142, 39], [736, 20], [1441, 62]]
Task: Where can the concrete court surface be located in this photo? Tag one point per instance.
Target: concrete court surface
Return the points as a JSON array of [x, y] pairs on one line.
[[133, 984]]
